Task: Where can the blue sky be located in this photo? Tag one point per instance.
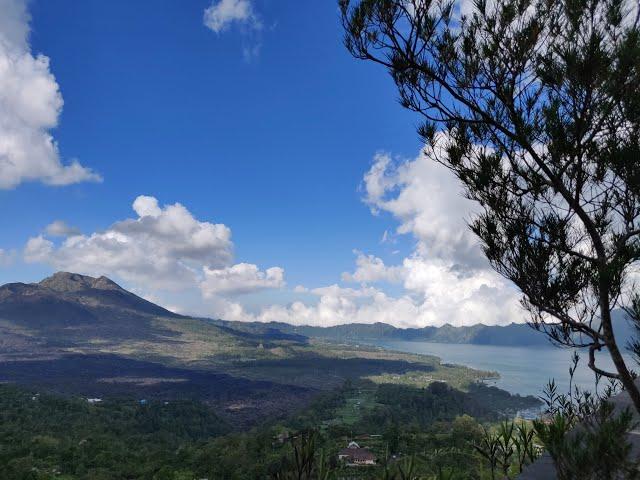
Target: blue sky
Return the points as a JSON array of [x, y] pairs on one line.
[[257, 119]]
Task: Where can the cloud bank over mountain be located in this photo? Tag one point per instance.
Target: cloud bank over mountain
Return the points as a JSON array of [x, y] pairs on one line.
[[166, 249], [163, 248], [445, 279]]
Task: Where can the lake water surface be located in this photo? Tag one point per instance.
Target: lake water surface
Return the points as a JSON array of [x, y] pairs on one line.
[[523, 370]]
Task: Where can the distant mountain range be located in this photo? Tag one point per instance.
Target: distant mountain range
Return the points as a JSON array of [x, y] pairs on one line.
[[68, 308], [514, 334]]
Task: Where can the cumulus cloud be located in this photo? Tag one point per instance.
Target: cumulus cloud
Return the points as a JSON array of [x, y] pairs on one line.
[[371, 269], [449, 295], [240, 278], [435, 296], [146, 206], [223, 13], [38, 249], [60, 228], [163, 247], [445, 279], [428, 201], [30, 105], [447, 272]]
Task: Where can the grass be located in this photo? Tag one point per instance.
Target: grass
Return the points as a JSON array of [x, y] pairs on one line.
[[361, 400]]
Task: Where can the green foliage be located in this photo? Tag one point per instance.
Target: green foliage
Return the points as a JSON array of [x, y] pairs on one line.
[[526, 450], [534, 105], [421, 407], [509, 449], [596, 449], [489, 448], [306, 462], [42, 436], [586, 437]]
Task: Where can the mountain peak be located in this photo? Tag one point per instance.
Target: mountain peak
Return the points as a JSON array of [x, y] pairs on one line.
[[74, 282], [104, 283]]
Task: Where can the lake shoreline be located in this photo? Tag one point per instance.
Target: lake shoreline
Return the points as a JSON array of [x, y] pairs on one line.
[[512, 363]]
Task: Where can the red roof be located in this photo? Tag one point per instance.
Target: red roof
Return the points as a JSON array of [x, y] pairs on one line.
[[357, 454]]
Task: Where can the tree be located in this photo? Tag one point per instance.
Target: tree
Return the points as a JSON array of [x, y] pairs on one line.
[[535, 106], [585, 437], [305, 462]]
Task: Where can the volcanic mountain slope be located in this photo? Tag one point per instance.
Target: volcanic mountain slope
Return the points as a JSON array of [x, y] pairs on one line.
[[67, 307], [71, 312], [86, 336], [80, 335]]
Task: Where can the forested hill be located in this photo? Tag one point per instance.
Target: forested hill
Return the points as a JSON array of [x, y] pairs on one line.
[[514, 334]]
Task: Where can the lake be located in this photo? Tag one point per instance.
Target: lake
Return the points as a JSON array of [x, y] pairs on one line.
[[523, 370]]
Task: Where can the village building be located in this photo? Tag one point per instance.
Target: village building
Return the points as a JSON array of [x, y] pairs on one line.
[[354, 455]]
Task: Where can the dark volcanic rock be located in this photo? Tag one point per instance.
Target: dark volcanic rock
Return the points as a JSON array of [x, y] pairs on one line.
[[244, 402]]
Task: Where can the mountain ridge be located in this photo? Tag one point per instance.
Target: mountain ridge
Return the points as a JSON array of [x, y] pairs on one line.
[[513, 334], [516, 334], [72, 306], [67, 307]]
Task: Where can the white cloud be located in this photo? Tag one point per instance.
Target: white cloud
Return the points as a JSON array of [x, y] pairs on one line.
[[60, 228], [164, 249], [446, 279], [435, 296], [336, 291], [388, 237], [223, 13], [38, 250], [240, 278], [14, 22], [459, 297], [447, 270], [371, 269], [30, 104], [428, 201], [161, 248], [146, 206]]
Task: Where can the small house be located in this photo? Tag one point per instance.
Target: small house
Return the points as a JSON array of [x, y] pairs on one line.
[[355, 456]]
